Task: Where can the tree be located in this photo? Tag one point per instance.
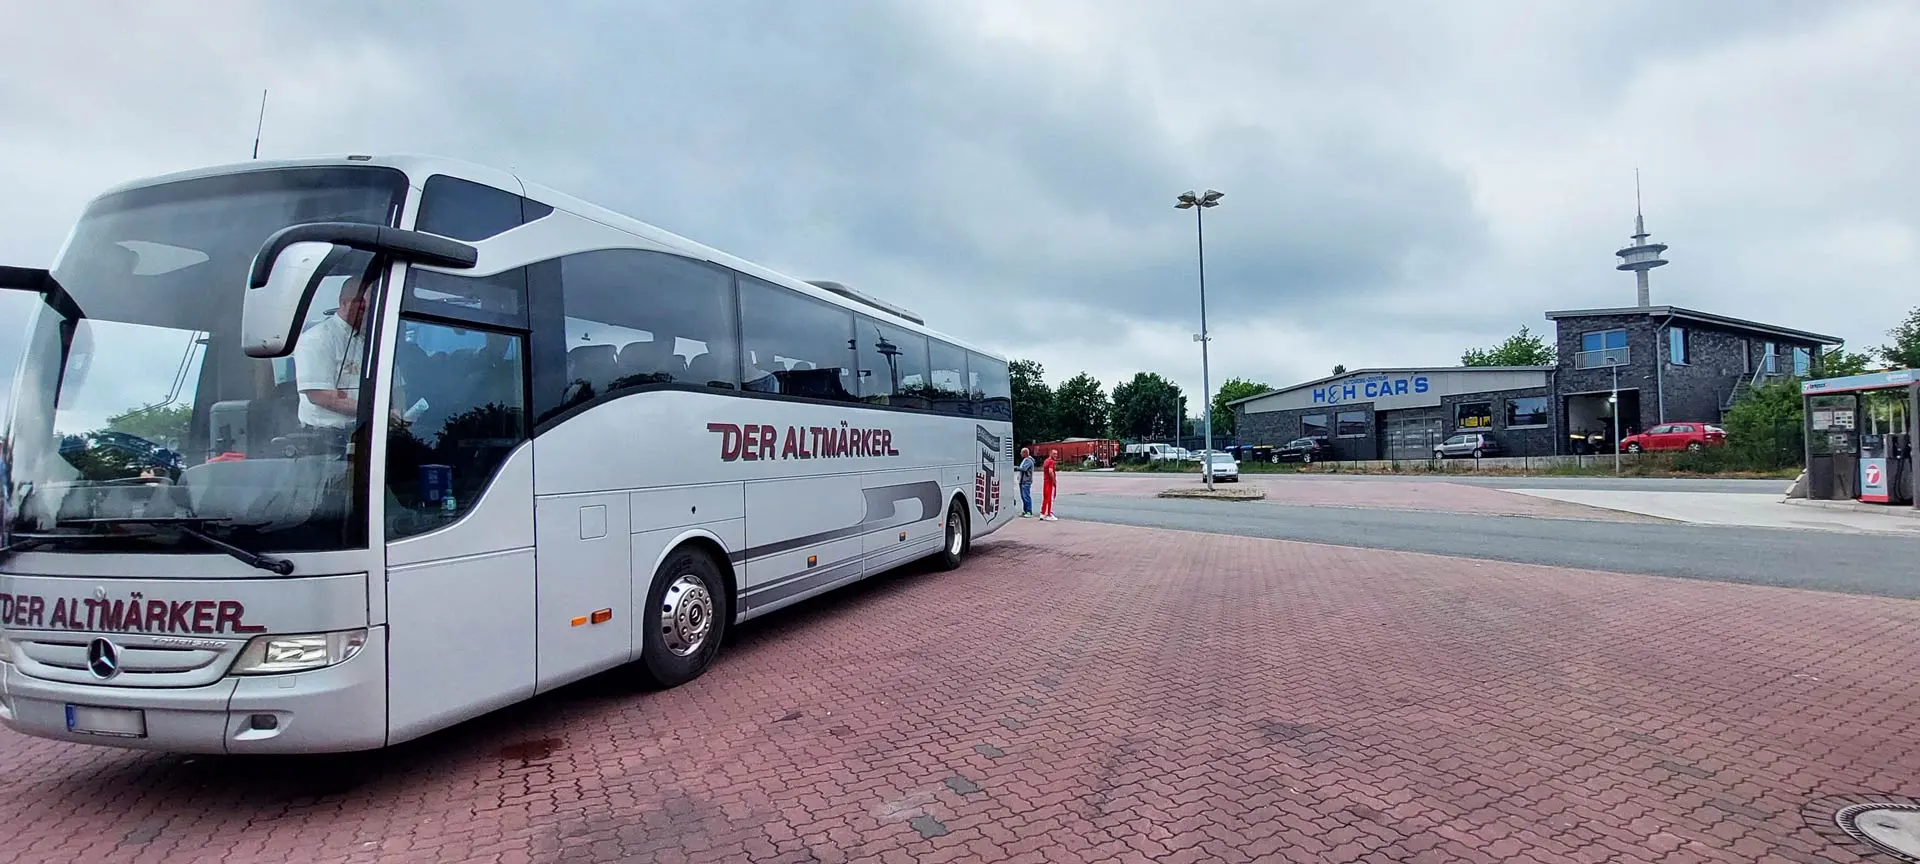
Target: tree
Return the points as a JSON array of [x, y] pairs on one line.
[[1839, 363], [1234, 389], [1764, 428], [1904, 351], [1033, 415], [1520, 349], [1339, 368], [1145, 407], [1080, 407], [165, 425]]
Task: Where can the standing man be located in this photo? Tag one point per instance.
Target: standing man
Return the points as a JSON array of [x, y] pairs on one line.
[[1026, 482], [1049, 481]]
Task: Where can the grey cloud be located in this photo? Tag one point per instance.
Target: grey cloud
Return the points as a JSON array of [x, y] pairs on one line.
[[1017, 189]]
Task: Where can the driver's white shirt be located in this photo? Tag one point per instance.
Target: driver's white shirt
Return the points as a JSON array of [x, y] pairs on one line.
[[328, 357]]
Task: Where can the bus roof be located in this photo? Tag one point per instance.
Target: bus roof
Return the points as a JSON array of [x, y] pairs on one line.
[[420, 166]]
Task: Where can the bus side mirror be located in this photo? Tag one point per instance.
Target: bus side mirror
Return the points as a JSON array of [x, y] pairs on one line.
[[24, 279], [273, 310], [285, 273]]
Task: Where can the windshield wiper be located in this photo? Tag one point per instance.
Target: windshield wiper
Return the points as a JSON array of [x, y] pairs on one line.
[[187, 525]]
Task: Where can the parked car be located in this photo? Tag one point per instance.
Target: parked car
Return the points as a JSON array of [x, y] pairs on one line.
[[1675, 436], [1309, 449], [1474, 444], [1225, 467]]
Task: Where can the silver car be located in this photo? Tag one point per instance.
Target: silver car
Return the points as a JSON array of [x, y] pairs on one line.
[[1474, 444]]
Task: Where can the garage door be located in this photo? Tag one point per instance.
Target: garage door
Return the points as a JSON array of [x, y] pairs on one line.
[[1412, 437]]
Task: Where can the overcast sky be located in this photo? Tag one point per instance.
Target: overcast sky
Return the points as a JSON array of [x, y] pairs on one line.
[[1402, 180]]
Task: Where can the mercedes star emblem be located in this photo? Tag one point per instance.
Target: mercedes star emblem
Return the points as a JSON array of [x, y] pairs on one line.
[[103, 658]]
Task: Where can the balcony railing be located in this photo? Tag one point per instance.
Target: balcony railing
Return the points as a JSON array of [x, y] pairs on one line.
[[1602, 358]]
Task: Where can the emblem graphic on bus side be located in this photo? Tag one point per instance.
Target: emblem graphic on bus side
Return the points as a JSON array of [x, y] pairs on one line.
[[986, 481]]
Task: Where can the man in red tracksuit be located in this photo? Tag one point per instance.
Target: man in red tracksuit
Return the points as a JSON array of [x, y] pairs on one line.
[[1049, 481]]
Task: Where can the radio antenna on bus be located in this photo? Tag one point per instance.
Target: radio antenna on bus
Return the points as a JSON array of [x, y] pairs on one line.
[[260, 124]]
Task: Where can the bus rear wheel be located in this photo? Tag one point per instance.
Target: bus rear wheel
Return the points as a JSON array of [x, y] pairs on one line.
[[686, 617], [955, 542]]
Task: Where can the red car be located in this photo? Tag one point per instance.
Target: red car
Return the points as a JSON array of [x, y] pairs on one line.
[[1675, 436]]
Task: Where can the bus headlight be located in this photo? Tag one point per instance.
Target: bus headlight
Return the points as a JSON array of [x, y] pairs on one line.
[[270, 655]]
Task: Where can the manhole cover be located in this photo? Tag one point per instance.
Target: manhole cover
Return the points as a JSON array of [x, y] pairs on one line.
[[1880, 827], [1895, 828]]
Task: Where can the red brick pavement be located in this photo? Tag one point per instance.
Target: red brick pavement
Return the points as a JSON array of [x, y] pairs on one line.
[[1339, 492], [1095, 693]]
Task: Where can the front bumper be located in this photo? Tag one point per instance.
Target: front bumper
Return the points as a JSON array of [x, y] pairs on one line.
[[337, 709]]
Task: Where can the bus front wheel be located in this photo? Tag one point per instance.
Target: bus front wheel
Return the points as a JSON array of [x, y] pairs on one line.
[[955, 542], [685, 620]]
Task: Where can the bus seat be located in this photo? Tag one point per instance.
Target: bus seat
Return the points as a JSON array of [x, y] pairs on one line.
[[595, 365], [646, 362], [704, 370]]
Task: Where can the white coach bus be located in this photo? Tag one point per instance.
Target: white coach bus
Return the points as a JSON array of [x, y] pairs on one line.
[[325, 455]]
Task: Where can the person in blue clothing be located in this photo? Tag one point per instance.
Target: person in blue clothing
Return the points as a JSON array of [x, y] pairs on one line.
[[1026, 482]]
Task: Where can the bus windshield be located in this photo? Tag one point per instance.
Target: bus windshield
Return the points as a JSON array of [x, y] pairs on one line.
[[137, 422]]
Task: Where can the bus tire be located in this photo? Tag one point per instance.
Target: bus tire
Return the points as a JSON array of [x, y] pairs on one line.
[[686, 617], [955, 541]]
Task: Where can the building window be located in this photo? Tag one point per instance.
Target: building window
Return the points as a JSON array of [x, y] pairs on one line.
[[1313, 426], [1351, 424], [1802, 362], [1527, 412], [1602, 348], [1476, 416], [1771, 358], [1677, 352]]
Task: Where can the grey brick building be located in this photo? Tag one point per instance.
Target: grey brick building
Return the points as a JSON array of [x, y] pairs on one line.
[[1672, 364]]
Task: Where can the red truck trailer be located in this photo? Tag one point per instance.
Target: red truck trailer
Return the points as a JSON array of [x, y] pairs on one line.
[[1102, 452]]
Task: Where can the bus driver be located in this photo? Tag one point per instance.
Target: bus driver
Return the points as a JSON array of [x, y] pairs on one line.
[[327, 360]]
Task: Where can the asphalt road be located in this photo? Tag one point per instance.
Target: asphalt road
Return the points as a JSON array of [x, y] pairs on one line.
[[1624, 484], [1850, 563]]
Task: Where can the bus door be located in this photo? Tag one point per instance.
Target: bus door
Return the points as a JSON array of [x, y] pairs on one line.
[[459, 515]]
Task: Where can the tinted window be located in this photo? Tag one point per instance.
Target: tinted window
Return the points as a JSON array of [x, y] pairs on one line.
[[1351, 424], [893, 365], [500, 299], [795, 345], [950, 380], [1314, 425], [462, 397], [1527, 411], [634, 318], [994, 387], [465, 210]]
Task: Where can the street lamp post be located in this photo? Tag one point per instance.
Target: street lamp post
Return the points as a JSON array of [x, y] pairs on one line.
[[1615, 399], [1199, 204]]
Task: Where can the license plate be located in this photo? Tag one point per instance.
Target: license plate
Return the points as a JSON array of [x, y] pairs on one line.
[[117, 722]]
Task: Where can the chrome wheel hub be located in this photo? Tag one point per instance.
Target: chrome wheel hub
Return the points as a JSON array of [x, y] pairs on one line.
[[955, 539], [686, 615]]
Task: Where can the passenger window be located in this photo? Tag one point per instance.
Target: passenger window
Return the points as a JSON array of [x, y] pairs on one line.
[[465, 210], [893, 365], [461, 397], [635, 318], [994, 391], [950, 390], [499, 299], [795, 345]]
